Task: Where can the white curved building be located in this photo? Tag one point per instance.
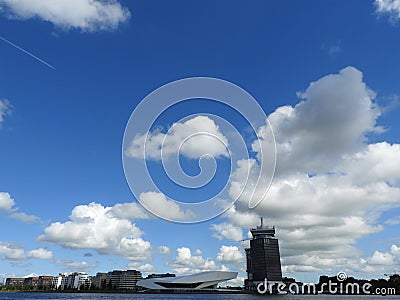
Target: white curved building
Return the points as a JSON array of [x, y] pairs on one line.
[[203, 280]]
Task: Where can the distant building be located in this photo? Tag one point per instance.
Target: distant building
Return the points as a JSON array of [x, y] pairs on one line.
[[44, 282], [119, 279], [14, 281], [32, 281], [113, 278], [129, 279], [263, 257], [75, 280], [99, 281], [60, 281], [78, 281]]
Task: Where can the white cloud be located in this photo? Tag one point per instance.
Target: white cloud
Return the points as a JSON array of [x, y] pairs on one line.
[[377, 162], [333, 118], [392, 257], [193, 138], [230, 255], [6, 202], [40, 253], [134, 249], [5, 109], [79, 266], [11, 251], [331, 186], [148, 268], [96, 227], [227, 230], [129, 211], [390, 7], [198, 252], [186, 263], [85, 15], [377, 264], [164, 250], [25, 217], [379, 258], [160, 205]]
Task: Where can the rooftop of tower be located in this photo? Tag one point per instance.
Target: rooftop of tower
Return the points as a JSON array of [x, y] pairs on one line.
[[262, 230]]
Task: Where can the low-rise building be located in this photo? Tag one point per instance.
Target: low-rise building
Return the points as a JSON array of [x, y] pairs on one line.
[[78, 281], [60, 281], [119, 279], [32, 281], [13, 281], [45, 282], [99, 281], [113, 279], [128, 279]]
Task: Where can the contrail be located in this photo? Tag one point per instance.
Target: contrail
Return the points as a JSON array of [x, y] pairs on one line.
[[27, 52]]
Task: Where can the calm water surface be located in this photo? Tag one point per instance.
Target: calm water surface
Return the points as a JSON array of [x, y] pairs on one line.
[[76, 296]]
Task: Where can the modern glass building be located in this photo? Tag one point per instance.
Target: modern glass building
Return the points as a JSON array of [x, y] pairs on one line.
[[263, 258]]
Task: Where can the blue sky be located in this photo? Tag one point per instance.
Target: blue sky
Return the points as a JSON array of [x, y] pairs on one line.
[[335, 198]]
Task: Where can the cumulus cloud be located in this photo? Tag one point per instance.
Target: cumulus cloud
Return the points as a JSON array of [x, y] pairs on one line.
[[380, 258], [10, 251], [230, 255], [378, 263], [185, 262], [331, 185], [40, 253], [5, 109], [160, 205], [6, 202], [227, 231], [164, 250], [129, 211], [193, 138], [389, 7], [333, 117], [85, 15], [94, 226], [148, 268]]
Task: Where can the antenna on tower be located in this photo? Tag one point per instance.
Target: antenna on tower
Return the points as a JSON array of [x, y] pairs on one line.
[[262, 222]]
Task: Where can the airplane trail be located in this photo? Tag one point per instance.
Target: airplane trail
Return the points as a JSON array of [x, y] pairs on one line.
[[27, 52]]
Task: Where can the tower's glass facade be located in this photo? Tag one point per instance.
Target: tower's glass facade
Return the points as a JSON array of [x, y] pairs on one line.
[[263, 257]]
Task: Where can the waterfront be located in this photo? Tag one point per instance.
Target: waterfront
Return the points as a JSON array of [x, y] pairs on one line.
[[83, 296]]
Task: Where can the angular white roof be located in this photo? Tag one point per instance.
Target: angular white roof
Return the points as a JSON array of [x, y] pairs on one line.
[[195, 281]]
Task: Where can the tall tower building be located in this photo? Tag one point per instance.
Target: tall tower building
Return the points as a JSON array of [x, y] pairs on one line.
[[263, 257]]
